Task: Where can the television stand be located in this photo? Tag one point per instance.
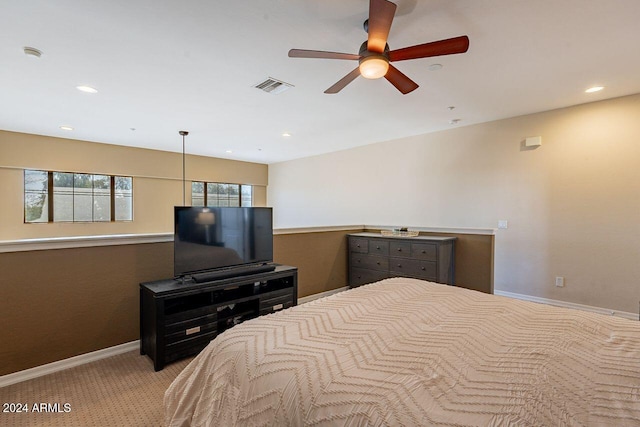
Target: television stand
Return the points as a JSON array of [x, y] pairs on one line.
[[179, 317], [208, 276]]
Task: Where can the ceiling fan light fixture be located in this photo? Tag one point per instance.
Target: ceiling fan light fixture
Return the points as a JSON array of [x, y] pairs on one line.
[[374, 66]]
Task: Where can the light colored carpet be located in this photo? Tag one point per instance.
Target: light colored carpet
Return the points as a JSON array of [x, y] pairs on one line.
[[122, 390]]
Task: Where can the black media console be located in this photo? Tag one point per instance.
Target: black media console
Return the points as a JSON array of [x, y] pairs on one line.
[[178, 318]]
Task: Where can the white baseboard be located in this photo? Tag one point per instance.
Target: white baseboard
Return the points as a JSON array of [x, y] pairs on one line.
[[600, 310], [61, 365], [310, 298]]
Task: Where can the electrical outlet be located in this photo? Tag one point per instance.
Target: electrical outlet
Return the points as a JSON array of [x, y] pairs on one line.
[[559, 281], [503, 224]]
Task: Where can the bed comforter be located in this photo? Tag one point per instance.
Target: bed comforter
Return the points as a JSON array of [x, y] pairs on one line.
[[404, 352]]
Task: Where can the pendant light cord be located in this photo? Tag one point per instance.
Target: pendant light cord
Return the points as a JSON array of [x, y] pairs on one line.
[[184, 181]]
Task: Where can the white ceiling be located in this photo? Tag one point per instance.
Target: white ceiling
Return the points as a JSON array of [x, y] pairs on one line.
[[162, 66]]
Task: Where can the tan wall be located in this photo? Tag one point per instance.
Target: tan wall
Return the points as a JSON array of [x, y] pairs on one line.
[[323, 265], [62, 303], [572, 203], [157, 181], [321, 259]]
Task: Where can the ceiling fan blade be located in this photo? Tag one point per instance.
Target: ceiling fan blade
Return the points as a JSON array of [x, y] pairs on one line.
[[303, 53], [343, 81], [403, 83], [442, 47], [381, 14]]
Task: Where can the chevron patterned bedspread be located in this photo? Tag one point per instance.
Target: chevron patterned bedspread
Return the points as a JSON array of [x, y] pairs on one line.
[[404, 352]]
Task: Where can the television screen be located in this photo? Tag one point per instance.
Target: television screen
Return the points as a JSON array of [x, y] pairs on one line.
[[209, 238]]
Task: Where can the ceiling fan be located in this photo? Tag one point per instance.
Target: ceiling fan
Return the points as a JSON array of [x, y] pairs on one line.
[[375, 57]]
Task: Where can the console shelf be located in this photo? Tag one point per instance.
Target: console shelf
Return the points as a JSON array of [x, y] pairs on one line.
[[178, 318]]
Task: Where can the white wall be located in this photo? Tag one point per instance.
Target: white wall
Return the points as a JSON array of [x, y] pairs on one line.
[[573, 204]]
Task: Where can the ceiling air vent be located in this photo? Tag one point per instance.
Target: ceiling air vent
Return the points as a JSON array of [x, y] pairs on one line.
[[274, 86]]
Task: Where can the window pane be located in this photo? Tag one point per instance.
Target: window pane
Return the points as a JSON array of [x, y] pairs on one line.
[[82, 197], [101, 198], [36, 196], [197, 193], [223, 194], [234, 194], [62, 197], [246, 195], [212, 194], [123, 194]]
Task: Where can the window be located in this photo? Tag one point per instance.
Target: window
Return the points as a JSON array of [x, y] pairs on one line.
[[76, 197], [220, 194], [36, 196], [123, 195]]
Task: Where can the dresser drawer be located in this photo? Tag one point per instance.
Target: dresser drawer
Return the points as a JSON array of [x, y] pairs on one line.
[[378, 247], [275, 301], [190, 324], [424, 251], [371, 262], [188, 346], [195, 331], [400, 249], [360, 276], [413, 268], [360, 245]]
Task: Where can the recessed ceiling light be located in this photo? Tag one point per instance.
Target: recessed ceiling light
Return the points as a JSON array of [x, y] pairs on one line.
[[66, 128], [454, 121], [32, 52], [87, 89], [594, 89], [451, 108], [435, 67], [286, 134], [229, 151]]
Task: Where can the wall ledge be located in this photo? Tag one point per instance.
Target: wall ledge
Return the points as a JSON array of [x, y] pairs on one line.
[[321, 229], [456, 230], [50, 243], [82, 242]]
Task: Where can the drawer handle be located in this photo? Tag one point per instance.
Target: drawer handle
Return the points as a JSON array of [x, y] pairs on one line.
[[357, 246], [378, 262], [424, 252], [423, 268], [399, 249], [400, 265], [192, 331], [377, 247]]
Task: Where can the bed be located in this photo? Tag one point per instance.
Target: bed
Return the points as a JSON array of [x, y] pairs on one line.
[[405, 352]]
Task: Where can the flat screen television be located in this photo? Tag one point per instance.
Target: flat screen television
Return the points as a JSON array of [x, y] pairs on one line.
[[207, 239]]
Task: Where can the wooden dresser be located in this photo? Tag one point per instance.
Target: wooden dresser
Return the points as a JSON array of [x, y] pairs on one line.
[[375, 257]]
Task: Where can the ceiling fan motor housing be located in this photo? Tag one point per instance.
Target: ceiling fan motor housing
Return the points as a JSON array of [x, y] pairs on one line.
[[364, 52]]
